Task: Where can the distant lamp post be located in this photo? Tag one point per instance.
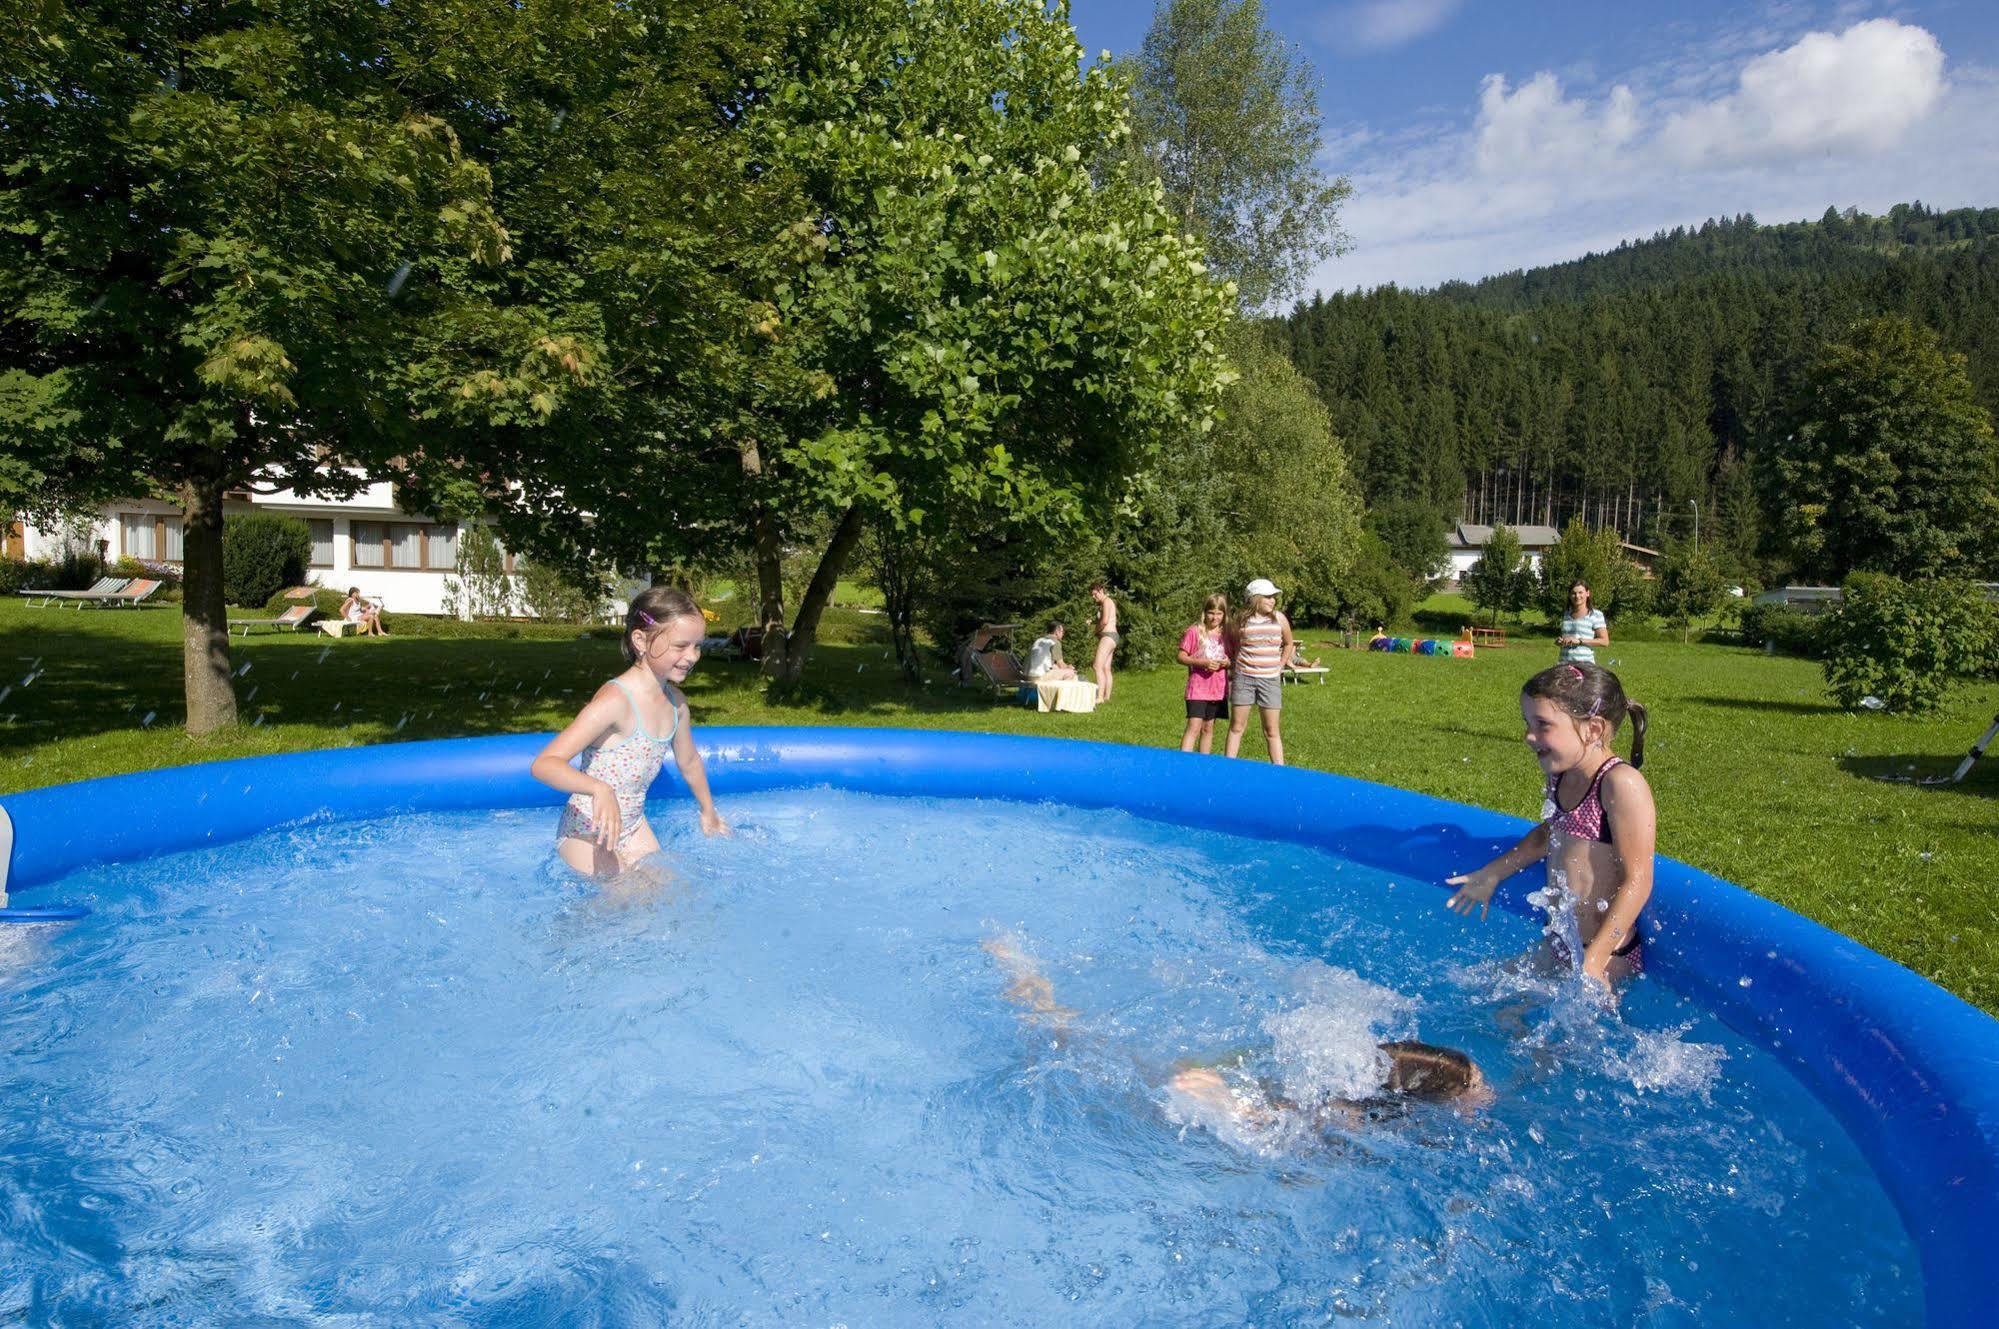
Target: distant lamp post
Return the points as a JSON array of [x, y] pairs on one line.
[[1697, 523]]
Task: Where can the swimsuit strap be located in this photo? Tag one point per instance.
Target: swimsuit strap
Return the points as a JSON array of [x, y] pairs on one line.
[[638, 720]]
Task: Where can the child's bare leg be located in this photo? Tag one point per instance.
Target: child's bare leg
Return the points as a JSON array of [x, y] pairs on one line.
[[1238, 721], [1207, 737], [587, 857], [1272, 736], [1105, 649], [1196, 731]]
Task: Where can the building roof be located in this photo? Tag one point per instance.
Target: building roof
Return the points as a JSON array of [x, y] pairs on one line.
[[1471, 535]]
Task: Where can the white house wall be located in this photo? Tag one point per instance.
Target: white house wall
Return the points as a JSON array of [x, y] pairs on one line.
[[399, 590]]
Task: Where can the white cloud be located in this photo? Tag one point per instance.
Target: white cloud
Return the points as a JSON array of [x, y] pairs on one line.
[[1860, 89], [1536, 127], [1747, 119], [1377, 25]]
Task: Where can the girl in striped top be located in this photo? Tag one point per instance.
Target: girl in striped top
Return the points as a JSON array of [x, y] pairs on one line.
[[1260, 644]]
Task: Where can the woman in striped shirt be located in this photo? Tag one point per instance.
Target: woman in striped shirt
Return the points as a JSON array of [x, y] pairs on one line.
[[1260, 644]]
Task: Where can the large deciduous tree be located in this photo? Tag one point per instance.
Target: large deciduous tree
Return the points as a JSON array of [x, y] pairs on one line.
[[937, 310], [1226, 113], [1890, 464], [207, 227]]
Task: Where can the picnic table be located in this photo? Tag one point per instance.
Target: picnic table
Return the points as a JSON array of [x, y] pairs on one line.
[[1478, 636]]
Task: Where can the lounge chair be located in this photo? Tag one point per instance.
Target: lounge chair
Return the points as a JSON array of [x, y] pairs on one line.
[[134, 592], [298, 616], [1001, 671], [104, 586]]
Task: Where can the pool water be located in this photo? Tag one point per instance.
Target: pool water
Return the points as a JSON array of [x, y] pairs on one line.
[[410, 1071]]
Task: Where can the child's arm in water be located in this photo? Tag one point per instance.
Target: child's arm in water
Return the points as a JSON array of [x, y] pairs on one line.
[[1634, 833], [552, 767], [688, 758], [1475, 888]]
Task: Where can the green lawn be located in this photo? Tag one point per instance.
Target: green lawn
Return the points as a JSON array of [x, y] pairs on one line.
[[1759, 779]]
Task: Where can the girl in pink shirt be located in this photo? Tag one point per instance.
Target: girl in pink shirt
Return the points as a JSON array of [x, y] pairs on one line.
[[1205, 652]]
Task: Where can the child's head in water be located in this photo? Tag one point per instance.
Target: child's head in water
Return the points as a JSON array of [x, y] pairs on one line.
[[1434, 1074], [1571, 710], [663, 631]]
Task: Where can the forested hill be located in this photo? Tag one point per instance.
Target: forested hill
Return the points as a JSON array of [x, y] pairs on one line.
[[1650, 387], [1851, 241]]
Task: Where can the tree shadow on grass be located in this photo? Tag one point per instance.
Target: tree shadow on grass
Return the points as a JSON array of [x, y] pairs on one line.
[[1763, 704]]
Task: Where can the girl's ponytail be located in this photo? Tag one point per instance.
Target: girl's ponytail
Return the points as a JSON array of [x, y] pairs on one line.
[[1636, 710]]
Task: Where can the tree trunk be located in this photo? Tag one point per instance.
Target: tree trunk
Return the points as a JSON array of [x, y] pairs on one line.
[[805, 629], [768, 552], [204, 617]]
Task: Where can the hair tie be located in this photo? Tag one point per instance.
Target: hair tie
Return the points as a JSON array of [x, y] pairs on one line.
[[1574, 669], [647, 617]]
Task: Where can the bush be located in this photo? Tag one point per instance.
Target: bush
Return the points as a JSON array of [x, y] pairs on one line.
[[553, 597], [167, 574], [1792, 631], [1907, 643], [76, 570], [262, 554]]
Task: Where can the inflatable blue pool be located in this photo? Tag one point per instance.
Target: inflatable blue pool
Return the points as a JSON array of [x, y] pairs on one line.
[[1910, 1073]]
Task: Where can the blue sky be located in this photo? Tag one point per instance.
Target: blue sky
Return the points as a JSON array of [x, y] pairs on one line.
[[1483, 136]]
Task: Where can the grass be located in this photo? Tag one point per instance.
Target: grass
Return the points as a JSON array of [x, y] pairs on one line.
[[1759, 778]]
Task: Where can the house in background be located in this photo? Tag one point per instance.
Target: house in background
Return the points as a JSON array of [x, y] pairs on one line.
[[1467, 542], [397, 559]]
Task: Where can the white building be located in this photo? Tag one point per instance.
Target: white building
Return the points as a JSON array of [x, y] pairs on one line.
[[395, 558], [1467, 542]]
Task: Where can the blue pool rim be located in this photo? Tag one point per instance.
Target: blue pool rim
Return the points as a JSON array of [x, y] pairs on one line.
[[1910, 1071]]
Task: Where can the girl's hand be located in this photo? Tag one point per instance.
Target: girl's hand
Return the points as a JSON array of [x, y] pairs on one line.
[[712, 823], [1474, 892], [604, 816]]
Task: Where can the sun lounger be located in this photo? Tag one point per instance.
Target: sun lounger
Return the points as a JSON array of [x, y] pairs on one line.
[[291, 620], [135, 592], [104, 586], [1000, 670]]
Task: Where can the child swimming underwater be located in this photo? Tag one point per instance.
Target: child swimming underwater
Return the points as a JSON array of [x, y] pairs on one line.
[[1410, 1071]]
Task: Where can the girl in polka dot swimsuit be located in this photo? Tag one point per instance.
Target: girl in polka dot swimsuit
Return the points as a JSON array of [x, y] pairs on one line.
[[1598, 826], [623, 737]]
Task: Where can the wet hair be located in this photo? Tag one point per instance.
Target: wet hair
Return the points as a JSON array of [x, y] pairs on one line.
[[1589, 597], [1220, 602], [1426, 1071], [1054, 626], [1591, 692], [652, 609]]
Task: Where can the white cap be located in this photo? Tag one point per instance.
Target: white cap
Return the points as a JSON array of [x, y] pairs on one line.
[[1262, 586]]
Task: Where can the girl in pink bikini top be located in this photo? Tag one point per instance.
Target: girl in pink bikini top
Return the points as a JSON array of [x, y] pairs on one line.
[[1599, 849]]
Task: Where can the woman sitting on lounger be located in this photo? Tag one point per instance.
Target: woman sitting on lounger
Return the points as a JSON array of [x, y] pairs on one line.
[[366, 617]]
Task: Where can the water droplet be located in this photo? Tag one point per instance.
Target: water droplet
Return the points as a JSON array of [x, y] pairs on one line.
[[401, 275], [147, 721], [1744, 981]]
